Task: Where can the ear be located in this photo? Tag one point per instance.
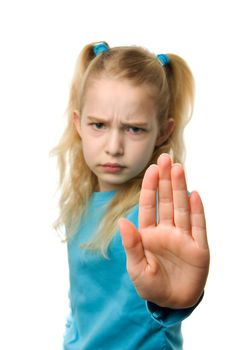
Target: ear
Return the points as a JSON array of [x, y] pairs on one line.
[[165, 132], [77, 122]]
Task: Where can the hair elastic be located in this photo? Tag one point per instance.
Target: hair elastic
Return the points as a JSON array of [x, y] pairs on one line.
[[163, 59], [100, 47]]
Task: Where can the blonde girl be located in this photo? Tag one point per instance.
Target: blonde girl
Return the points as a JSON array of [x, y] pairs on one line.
[[137, 246]]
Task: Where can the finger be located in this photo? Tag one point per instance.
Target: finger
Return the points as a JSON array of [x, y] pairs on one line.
[[165, 190], [180, 199], [147, 201], [198, 220], [131, 239]]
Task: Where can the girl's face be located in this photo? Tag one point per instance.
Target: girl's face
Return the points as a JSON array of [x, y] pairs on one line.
[[118, 129]]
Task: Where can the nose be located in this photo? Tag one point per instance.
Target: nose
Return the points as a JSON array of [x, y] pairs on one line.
[[115, 143]]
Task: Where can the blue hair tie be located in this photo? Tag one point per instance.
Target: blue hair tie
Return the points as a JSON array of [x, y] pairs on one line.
[[100, 47], [163, 59]]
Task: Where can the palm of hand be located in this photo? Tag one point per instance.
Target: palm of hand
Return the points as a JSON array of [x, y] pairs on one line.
[[167, 260]]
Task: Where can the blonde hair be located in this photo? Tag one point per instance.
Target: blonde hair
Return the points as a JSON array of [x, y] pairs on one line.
[[173, 89]]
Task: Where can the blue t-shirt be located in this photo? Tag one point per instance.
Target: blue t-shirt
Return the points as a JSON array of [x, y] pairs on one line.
[[106, 311]]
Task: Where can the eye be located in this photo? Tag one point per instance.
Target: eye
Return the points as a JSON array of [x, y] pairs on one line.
[[97, 126], [135, 130]]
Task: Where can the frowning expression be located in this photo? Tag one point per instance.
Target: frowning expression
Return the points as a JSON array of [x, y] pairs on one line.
[[118, 129]]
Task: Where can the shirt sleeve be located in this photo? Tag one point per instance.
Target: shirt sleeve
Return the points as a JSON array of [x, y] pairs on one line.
[[167, 317]]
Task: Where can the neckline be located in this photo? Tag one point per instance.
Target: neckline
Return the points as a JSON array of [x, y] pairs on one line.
[[103, 196]]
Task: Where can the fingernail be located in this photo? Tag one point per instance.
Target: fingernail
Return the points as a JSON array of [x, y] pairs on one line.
[[165, 154], [177, 164], [152, 166]]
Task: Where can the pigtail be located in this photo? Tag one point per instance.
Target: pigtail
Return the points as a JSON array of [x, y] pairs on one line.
[[180, 104], [76, 181], [83, 61]]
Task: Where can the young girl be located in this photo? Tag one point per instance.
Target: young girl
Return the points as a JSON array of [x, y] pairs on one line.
[[137, 246]]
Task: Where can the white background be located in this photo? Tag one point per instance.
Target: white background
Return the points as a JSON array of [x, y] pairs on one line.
[[39, 43]]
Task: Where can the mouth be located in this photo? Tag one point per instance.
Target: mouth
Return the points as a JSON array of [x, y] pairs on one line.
[[113, 167]]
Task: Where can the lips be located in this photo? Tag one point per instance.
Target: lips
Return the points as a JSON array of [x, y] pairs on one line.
[[113, 167]]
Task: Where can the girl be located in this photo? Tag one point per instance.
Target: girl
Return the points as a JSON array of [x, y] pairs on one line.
[[137, 246]]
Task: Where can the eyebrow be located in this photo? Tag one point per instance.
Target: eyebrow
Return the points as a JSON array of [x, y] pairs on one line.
[[102, 120]]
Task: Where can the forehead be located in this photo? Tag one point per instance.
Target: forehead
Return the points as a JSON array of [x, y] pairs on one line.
[[107, 96]]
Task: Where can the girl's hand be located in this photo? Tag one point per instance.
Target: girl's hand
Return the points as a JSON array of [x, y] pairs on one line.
[[168, 260]]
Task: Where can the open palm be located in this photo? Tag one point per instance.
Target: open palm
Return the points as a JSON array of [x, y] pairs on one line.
[[168, 257]]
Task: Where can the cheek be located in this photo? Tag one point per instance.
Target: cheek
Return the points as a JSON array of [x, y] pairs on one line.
[[88, 148], [146, 148], [142, 155], [91, 148]]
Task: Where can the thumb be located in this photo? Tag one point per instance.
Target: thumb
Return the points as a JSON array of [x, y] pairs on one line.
[[131, 239]]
